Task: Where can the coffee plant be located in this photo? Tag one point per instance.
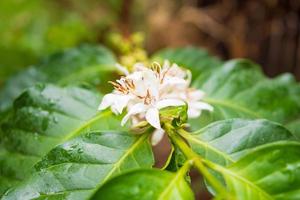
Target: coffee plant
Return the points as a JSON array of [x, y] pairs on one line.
[[78, 125]]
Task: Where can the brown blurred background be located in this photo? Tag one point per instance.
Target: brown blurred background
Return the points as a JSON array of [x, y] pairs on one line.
[[267, 31]]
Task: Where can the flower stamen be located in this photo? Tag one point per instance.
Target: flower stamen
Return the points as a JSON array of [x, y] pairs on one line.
[[155, 66], [147, 99], [119, 87]]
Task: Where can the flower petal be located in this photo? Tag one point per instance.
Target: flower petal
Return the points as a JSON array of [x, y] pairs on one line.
[[107, 101], [152, 116], [121, 102], [196, 94], [137, 108], [139, 67], [169, 102], [193, 113], [174, 81], [188, 76], [202, 106], [117, 102], [157, 136], [122, 69]]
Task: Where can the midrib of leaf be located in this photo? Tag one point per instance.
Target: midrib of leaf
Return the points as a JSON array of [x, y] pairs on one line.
[[88, 70], [225, 171], [232, 106], [140, 140], [191, 138], [77, 131], [177, 176]]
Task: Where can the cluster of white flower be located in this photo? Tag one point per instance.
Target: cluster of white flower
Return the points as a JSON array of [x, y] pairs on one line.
[[148, 89]]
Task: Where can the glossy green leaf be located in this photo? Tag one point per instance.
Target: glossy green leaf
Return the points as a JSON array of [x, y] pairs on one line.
[[87, 63], [75, 169], [239, 89], [224, 142], [42, 117], [149, 184], [198, 60], [270, 172]]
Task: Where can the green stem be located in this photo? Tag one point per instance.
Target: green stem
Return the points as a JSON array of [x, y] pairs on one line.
[[186, 167], [197, 161]]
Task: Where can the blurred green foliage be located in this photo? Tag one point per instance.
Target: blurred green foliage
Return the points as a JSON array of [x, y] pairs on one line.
[[30, 29]]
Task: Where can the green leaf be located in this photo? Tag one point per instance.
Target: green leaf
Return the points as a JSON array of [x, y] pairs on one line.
[[224, 142], [87, 63], [42, 117], [239, 89], [149, 184], [270, 172], [77, 168], [195, 59]]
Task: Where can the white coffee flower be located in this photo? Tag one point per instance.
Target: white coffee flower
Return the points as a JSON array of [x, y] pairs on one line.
[[148, 89]]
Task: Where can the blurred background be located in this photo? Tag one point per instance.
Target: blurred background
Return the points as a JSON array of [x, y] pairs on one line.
[[266, 31]]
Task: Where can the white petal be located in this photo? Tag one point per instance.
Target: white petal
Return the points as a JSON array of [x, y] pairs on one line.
[[137, 108], [196, 94], [202, 106], [117, 102], [139, 67], [121, 102], [188, 77], [122, 69], [107, 101], [166, 64], [175, 81], [151, 82], [193, 113], [169, 102], [114, 110], [157, 136], [152, 116], [135, 76]]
